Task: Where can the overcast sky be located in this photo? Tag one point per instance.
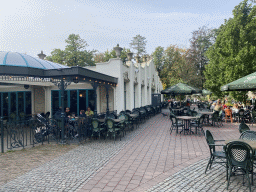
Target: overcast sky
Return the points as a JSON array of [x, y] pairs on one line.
[[29, 26]]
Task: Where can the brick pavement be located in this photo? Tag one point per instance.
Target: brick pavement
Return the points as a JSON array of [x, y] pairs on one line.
[[148, 158]]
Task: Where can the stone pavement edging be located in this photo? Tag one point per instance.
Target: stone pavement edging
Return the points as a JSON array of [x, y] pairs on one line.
[[151, 183]]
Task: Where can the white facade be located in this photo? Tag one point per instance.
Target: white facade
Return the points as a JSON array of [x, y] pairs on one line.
[[139, 79]]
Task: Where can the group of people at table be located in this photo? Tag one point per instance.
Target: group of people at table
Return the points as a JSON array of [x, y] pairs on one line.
[[72, 115], [233, 112]]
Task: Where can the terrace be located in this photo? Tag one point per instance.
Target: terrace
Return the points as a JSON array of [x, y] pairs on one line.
[[146, 159]]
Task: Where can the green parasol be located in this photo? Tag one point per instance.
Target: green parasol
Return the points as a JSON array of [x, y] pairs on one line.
[[246, 83], [206, 92], [181, 89]]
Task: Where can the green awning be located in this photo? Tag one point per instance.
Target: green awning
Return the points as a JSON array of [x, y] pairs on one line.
[[181, 89], [246, 83]]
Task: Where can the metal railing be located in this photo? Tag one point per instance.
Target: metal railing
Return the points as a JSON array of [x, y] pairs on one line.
[[20, 134]]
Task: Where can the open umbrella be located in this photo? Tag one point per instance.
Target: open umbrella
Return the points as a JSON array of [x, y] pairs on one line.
[[181, 89], [206, 92], [247, 83]]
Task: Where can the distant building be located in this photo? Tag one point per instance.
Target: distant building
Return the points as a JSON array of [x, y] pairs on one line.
[[129, 85]]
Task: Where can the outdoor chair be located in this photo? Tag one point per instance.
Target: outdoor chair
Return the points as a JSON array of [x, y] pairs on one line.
[[97, 128], [176, 124], [198, 125], [248, 135], [239, 159], [241, 115], [111, 115], [253, 120], [128, 111], [136, 120], [185, 111], [215, 156], [243, 127], [228, 115], [216, 118], [114, 129], [124, 126]]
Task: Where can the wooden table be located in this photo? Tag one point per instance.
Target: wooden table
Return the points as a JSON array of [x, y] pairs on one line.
[[251, 143], [187, 122]]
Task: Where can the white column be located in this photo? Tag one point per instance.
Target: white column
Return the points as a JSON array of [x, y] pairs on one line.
[[139, 86]]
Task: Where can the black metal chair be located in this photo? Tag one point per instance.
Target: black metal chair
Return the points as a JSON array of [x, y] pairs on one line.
[[239, 159], [97, 128], [253, 116], [215, 156], [113, 128], [243, 127], [198, 125], [241, 115], [216, 119], [176, 124], [248, 135]]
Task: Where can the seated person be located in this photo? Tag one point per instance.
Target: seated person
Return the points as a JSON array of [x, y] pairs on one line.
[[235, 108], [89, 112], [73, 115], [68, 114], [82, 113]]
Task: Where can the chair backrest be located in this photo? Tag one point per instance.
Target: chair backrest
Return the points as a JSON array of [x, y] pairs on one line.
[[239, 154], [121, 116], [215, 114], [173, 119], [228, 112], [210, 140], [248, 135], [110, 123], [253, 113], [128, 111], [201, 120], [241, 112], [112, 116], [243, 127], [95, 123]]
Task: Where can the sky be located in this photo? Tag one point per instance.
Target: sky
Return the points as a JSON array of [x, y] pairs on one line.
[[29, 26]]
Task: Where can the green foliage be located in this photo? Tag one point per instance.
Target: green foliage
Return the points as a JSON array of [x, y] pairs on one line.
[[158, 57], [74, 54], [202, 39], [174, 66], [233, 54], [104, 57], [139, 44]]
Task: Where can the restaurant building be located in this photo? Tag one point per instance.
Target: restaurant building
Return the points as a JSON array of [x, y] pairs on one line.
[[31, 85]]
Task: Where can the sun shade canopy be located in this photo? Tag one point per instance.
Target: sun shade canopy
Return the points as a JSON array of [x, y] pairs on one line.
[[181, 89], [246, 83]]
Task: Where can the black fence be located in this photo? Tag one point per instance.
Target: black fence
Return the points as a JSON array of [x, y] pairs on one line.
[[20, 134]]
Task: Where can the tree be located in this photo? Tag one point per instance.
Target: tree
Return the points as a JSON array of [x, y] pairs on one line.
[[104, 57], [201, 40], [233, 54], [74, 54], [176, 67], [158, 57], [139, 44]]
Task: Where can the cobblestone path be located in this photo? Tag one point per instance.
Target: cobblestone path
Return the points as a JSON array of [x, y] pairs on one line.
[[193, 179], [69, 171], [147, 159]]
